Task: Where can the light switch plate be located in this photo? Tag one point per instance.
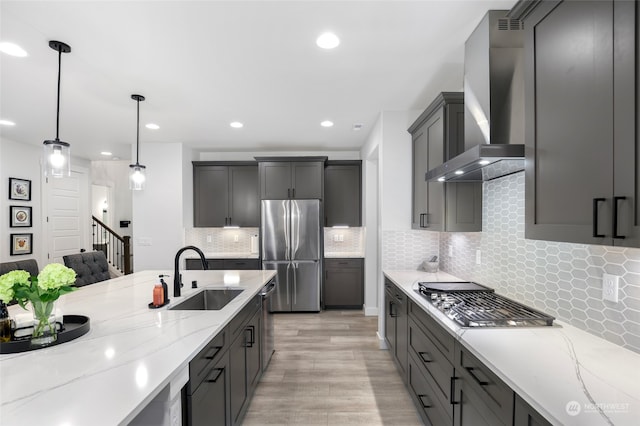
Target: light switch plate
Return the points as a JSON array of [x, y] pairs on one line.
[[610, 284]]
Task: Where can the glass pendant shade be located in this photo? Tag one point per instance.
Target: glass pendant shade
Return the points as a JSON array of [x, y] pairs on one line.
[[137, 177], [57, 158]]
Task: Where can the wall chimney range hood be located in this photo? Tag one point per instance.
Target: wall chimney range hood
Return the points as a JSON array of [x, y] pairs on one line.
[[493, 103]]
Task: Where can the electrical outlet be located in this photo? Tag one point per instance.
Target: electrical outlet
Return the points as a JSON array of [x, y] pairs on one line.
[[341, 237], [208, 238], [336, 238], [478, 257], [610, 287], [235, 238]]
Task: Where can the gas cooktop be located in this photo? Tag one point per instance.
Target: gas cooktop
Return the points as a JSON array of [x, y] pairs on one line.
[[473, 305]]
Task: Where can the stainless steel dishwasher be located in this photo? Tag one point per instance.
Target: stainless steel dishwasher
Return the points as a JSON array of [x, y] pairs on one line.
[[267, 334]]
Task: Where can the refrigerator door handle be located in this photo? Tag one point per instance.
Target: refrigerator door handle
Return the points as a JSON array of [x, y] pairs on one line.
[[287, 230], [295, 284], [288, 292]]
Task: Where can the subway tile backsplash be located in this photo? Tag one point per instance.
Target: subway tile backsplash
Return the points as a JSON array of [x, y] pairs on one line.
[[562, 279]]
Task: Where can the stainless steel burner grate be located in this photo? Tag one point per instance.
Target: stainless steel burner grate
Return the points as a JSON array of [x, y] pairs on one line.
[[484, 308]]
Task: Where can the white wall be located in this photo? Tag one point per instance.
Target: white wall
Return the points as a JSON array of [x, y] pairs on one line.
[[158, 216]]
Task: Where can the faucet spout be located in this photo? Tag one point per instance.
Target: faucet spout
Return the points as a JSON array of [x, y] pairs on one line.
[[177, 284]]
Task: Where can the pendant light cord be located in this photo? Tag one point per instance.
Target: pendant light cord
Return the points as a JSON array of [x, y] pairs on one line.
[[58, 107], [138, 132]]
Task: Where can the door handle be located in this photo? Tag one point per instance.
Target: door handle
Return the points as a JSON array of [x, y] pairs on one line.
[[595, 218], [615, 217], [288, 192], [252, 341], [293, 191], [288, 291], [391, 314], [295, 284], [452, 389]]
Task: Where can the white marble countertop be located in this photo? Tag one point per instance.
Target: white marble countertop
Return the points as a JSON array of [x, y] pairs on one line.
[[549, 367], [224, 255], [131, 353], [343, 254]]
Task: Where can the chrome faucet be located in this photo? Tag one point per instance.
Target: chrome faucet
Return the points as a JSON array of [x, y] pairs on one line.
[[177, 279]]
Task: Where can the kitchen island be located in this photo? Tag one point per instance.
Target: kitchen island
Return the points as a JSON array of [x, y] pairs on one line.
[[567, 375], [131, 357]]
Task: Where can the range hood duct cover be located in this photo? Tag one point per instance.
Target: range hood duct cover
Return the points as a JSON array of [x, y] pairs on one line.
[[493, 103]]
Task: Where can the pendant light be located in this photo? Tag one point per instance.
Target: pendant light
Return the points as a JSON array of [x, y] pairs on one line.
[[137, 171], [57, 154]]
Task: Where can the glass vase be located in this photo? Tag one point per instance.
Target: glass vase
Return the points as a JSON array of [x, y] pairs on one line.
[[44, 324]]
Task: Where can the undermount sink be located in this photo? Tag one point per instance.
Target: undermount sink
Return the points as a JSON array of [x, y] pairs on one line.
[[208, 300]]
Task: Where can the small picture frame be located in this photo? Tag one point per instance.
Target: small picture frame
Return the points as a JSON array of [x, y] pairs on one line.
[[19, 189], [21, 244], [20, 216]]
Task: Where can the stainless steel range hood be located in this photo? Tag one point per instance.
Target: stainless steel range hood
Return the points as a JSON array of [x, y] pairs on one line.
[[493, 103]]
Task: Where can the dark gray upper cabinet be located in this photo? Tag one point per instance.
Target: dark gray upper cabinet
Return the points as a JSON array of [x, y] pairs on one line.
[[225, 194], [300, 178], [437, 136], [343, 193], [581, 142]]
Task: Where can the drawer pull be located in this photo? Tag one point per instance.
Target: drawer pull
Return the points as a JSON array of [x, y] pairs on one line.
[[426, 356], [480, 382], [215, 352], [215, 379], [391, 314], [251, 341], [429, 404]]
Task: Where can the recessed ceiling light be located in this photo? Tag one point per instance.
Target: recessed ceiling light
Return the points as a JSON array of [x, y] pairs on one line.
[[152, 126], [7, 123], [12, 49], [483, 162], [459, 172], [440, 179], [327, 123], [357, 126], [328, 41], [236, 124], [106, 153]]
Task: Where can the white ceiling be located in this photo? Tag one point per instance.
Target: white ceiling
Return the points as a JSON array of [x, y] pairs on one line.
[[203, 64]]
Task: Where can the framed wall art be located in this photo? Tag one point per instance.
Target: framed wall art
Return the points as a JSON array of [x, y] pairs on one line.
[[20, 216], [21, 244], [19, 189]]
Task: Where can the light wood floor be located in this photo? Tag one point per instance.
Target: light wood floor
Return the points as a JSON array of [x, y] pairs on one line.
[[328, 370]]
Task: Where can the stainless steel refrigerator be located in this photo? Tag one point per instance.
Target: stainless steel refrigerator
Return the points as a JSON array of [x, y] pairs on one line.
[[291, 245]]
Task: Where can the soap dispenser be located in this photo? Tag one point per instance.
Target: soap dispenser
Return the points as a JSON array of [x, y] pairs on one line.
[[165, 288]]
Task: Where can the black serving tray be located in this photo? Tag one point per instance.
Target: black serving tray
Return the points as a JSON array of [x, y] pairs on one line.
[[74, 326]]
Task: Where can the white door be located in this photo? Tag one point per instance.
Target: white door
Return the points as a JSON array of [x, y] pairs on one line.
[[67, 214]]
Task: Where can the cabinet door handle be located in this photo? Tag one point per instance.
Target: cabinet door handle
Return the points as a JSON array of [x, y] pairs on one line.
[[471, 372], [251, 330], [615, 217], [595, 218], [429, 404], [215, 352], [288, 192], [343, 263], [215, 379], [391, 314], [452, 390], [425, 356], [293, 191]]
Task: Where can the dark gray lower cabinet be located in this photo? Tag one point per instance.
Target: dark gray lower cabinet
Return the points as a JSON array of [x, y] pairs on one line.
[[209, 404], [448, 384], [396, 325], [224, 375], [343, 283], [524, 415]]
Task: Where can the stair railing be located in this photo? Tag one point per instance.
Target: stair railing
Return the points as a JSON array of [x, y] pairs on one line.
[[116, 248]]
